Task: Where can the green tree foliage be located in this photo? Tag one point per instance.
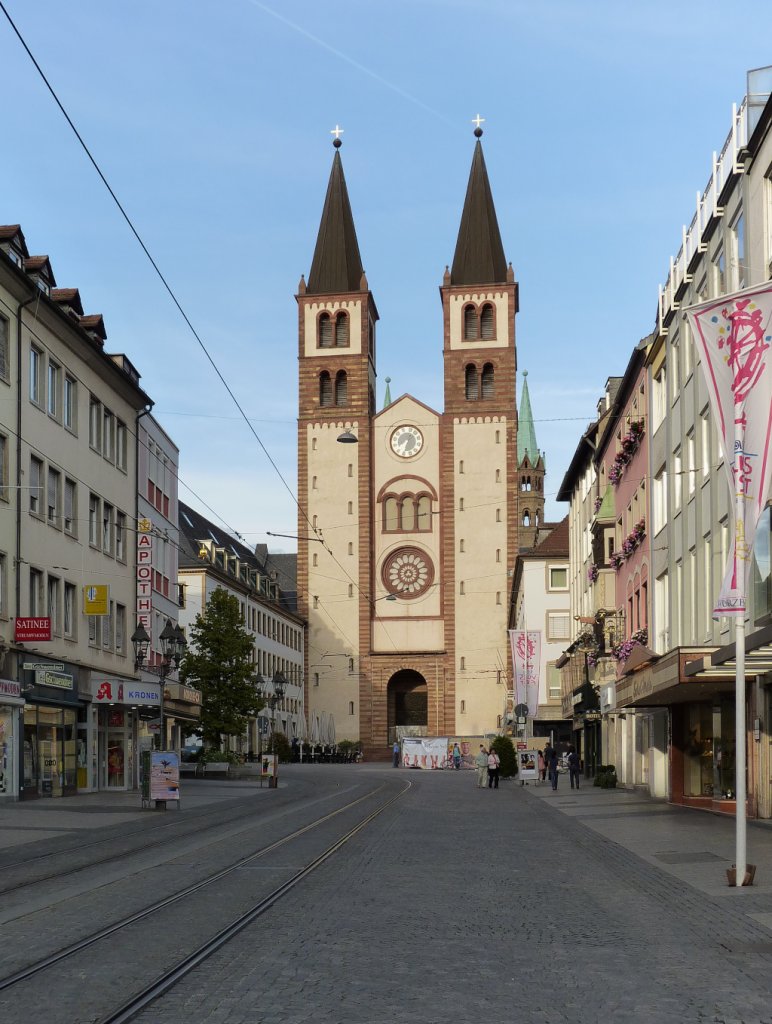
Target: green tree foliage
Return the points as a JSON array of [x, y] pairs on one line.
[[503, 747], [283, 747], [218, 662]]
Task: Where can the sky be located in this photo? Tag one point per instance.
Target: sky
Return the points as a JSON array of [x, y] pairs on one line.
[[211, 122]]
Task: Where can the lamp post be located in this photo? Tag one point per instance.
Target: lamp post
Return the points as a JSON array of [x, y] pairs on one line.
[[173, 644], [260, 691], [276, 697]]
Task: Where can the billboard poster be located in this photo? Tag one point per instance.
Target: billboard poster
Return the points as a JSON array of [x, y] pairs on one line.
[[164, 775], [423, 752], [526, 658], [527, 765]]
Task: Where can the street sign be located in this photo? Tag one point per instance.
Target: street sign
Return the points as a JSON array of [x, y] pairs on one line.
[[32, 630], [51, 666], [521, 710]]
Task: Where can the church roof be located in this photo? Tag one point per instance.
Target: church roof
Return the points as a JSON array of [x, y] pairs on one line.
[[526, 431], [479, 256], [337, 265]]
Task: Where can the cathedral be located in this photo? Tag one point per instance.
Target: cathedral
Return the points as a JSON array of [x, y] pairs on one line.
[[408, 517]]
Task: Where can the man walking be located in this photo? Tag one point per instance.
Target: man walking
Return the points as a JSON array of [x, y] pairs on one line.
[[553, 767], [573, 767], [395, 754], [481, 761]]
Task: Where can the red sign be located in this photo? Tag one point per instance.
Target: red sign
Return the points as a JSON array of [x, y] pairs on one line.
[[32, 630]]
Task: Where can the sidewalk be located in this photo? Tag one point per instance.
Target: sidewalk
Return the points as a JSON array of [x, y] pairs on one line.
[[694, 846], [47, 818]]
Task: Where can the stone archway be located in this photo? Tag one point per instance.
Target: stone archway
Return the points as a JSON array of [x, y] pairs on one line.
[[407, 702]]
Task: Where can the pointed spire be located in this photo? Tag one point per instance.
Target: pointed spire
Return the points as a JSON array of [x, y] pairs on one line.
[[387, 396], [337, 265], [479, 256], [526, 432]]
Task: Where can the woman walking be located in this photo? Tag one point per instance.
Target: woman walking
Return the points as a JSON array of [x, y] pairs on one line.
[[481, 761], [493, 769]]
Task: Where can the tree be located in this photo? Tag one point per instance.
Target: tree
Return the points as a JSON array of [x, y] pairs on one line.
[[219, 662], [506, 751]]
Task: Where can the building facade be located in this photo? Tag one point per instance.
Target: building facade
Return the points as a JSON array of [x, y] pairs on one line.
[[407, 531], [67, 551]]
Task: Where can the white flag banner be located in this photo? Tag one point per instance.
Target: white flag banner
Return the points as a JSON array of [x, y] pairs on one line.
[[732, 335], [526, 663]]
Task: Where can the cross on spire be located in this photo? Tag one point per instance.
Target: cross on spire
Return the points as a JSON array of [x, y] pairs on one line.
[[477, 121], [337, 131]]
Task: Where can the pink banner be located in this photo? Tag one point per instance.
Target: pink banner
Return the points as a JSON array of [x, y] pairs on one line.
[[732, 335], [526, 655]]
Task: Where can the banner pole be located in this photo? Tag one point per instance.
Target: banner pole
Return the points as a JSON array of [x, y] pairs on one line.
[[741, 853]]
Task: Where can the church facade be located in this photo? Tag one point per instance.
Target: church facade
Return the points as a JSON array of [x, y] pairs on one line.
[[408, 517]]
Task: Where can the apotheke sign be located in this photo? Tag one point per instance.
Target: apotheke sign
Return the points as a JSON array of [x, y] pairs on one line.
[[119, 691]]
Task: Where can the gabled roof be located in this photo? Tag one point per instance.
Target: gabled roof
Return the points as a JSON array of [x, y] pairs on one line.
[[68, 297], [337, 265], [555, 544], [13, 233], [479, 256], [40, 265]]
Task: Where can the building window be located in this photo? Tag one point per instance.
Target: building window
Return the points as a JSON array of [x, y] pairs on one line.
[[107, 528], [95, 424], [498, 515], [341, 388], [341, 330], [3, 468], [120, 445], [35, 485], [691, 463], [350, 548], [498, 554], [471, 388], [738, 251], [558, 576], [93, 631], [93, 520], [462, 707], [120, 628], [108, 435], [471, 324], [35, 592], [487, 322], [315, 560], [324, 331], [719, 272], [498, 597], [558, 625], [659, 499], [351, 707], [325, 389], [54, 495], [69, 405], [659, 397], [487, 381], [678, 467], [461, 546], [316, 678], [54, 381], [120, 537], [705, 442], [69, 611], [316, 601], [53, 605], [35, 359], [5, 340]]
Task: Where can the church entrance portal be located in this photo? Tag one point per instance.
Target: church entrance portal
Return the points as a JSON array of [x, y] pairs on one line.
[[408, 703]]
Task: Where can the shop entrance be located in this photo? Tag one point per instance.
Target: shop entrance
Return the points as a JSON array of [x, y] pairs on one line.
[[116, 749], [50, 755]]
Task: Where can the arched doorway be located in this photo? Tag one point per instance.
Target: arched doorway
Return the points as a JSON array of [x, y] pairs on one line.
[[407, 703]]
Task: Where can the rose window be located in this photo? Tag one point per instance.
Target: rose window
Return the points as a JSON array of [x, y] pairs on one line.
[[408, 573]]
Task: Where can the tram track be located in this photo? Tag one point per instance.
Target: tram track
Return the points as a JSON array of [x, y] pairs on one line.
[[51, 960], [184, 828]]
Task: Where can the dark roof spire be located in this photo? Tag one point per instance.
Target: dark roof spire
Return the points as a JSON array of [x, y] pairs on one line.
[[337, 265], [479, 256]]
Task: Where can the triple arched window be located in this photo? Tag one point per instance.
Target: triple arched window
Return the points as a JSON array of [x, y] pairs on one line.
[[333, 391], [407, 513], [479, 383], [333, 330], [479, 323]]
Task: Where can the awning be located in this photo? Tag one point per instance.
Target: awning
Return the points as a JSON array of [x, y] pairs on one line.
[[723, 662], [639, 657]]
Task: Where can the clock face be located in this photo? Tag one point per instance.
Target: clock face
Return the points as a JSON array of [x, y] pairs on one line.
[[407, 441]]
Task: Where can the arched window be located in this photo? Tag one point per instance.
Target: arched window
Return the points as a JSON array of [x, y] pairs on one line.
[[471, 387], [324, 328], [526, 518], [341, 330], [527, 483], [390, 515], [536, 517], [487, 380], [471, 324], [487, 322], [408, 513], [325, 388], [522, 483], [341, 388], [424, 513]]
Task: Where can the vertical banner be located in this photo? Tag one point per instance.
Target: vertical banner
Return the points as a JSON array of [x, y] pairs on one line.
[[732, 335], [526, 659], [145, 576]]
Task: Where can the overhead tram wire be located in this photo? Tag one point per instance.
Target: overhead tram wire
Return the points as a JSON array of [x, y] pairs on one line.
[[175, 300]]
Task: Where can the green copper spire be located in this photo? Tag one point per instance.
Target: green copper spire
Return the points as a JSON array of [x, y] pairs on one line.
[[526, 432], [387, 396]]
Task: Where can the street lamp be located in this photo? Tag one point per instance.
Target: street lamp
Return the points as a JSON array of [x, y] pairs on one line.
[[260, 691], [173, 644]]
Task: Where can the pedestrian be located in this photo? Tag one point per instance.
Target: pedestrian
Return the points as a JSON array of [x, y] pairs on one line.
[[548, 760], [482, 767], [573, 767], [542, 767], [493, 769], [456, 756], [552, 764], [395, 754]]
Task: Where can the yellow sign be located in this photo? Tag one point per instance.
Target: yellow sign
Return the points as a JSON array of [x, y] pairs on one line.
[[96, 599]]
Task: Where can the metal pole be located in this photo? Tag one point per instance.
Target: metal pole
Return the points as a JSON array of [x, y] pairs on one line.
[[741, 852]]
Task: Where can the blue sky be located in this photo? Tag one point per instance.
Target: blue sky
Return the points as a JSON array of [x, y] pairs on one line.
[[211, 121]]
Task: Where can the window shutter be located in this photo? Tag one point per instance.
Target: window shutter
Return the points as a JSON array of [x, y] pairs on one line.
[[325, 389], [487, 381], [341, 388], [487, 322], [471, 387], [341, 330], [470, 323], [325, 331]]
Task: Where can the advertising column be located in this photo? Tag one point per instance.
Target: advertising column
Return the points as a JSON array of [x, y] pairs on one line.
[[11, 702]]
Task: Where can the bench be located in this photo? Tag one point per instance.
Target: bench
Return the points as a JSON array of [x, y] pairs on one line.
[[188, 768], [217, 769]]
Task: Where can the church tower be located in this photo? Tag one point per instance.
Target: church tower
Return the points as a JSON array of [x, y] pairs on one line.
[[531, 471], [408, 522]]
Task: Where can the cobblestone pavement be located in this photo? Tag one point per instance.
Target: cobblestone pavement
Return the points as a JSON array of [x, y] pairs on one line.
[[500, 905]]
